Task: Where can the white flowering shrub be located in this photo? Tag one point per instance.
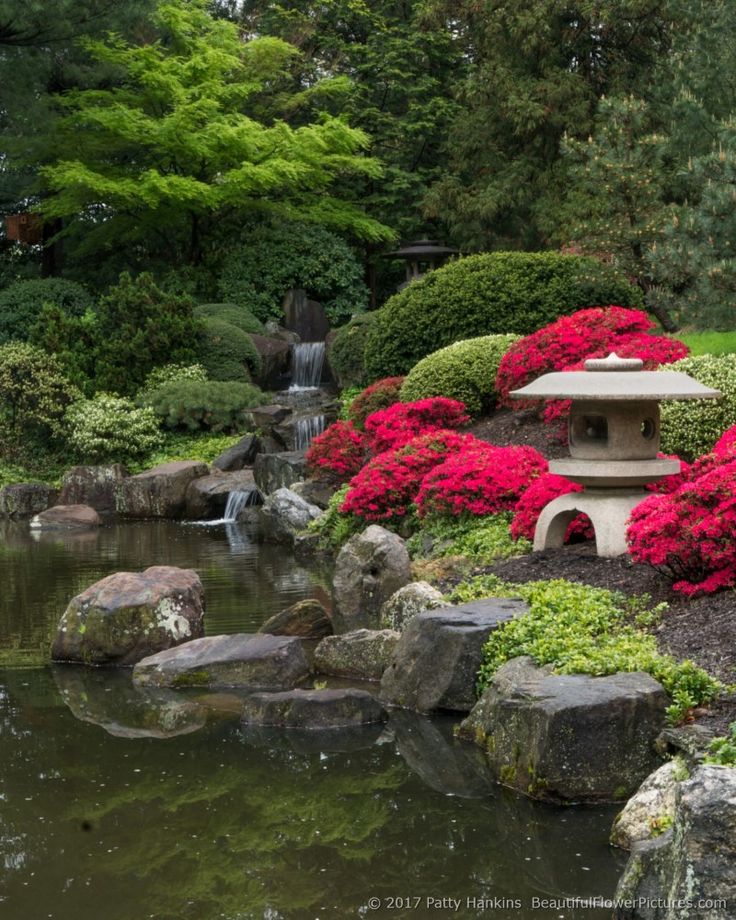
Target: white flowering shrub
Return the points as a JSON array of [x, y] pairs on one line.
[[690, 428], [111, 428], [172, 373]]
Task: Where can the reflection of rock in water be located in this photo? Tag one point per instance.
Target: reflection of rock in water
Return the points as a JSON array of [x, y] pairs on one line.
[[445, 764], [304, 741], [108, 698]]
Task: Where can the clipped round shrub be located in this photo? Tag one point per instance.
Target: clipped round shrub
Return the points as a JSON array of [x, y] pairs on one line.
[[379, 395], [34, 394], [294, 255], [392, 427], [109, 427], [692, 427], [231, 313], [479, 479], [226, 352], [346, 351], [465, 371], [341, 450], [214, 405], [490, 293], [386, 487], [689, 532], [21, 304]]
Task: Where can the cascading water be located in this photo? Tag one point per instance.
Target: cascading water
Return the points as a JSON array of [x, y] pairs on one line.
[[307, 359], [306, 429], [236, 501]]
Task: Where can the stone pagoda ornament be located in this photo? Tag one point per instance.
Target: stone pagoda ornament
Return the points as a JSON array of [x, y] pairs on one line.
[[613, 432]]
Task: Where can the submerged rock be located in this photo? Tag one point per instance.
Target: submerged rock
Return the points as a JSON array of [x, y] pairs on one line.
[[160, 492], [285, 515], [131, 615], [306, 619], [363, 654], [407, 602], [651, 809], [689, 872], [370, 568], [92, 485], [253, 662], [66, 517], [24, 499], [569, 737], [313, 709], [439, 653]]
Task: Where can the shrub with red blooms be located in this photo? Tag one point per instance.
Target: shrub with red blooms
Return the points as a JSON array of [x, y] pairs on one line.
[[379, 395], [480, 479], [540, 493], [587, 333], [397, 425], [340, 449], [386, 486], [725, 446], [690, 533]]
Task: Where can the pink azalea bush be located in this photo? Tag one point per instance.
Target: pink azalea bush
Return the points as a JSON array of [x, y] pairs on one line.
[[479, 479], [340, 450], [377, 396], [570, 340], [691, 532], [387, 486], [533, 500], [398, 424]]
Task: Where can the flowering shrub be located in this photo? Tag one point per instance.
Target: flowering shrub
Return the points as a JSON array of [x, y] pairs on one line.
[[340, 449], [379, 395], [533, 500], [387, 486], [587, 333], [480, 479], [391, 428], [690, 532], [725, 446], [111, 428], [691, 427], [173, 373]]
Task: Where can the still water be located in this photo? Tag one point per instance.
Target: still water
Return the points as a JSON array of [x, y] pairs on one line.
[[122, 805]]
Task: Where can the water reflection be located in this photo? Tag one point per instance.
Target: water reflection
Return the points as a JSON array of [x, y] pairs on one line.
[[210, 825]]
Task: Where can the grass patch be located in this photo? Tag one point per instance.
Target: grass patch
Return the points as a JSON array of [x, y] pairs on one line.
[[583, 630], [709, 343]]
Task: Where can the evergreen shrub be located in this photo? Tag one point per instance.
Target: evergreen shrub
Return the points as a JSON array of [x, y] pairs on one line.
[[489, 293], [465, 371], [21, 304], [226, 352], [214, 405], [346, 351], [692, 427], [231, 313]]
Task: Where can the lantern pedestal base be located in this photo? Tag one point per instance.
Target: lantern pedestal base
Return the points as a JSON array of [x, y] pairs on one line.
[[608, 510]]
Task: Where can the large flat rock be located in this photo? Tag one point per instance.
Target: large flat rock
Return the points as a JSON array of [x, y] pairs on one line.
[[253, 662], [436, 662], [363, 654], [206, 496], [66, 517], [160, 492], [313, 709], [24, 499], [569, 737]]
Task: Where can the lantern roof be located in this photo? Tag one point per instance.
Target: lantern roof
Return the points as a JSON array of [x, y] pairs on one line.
[[617, 379], [422, 250]]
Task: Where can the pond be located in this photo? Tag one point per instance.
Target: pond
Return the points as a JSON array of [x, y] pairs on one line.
[[126, 806]]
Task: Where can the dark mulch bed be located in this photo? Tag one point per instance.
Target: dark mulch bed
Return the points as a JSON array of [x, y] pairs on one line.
[[505, 427]]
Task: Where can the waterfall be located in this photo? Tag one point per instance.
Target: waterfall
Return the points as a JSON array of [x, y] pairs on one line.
[[307, 360], [236, 501], [307, 428]]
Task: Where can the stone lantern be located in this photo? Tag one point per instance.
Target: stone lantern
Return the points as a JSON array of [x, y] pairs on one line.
[[420, 257], [614, 439]]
